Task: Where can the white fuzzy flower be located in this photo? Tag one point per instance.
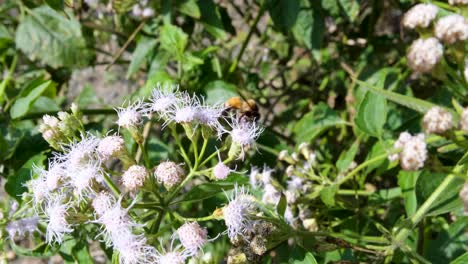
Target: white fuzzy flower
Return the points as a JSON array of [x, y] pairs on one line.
[[262, 178], [184, 110], [56, 212], [420, 15], [82, 179], [270, 194], [437, 120], [78, 153], [452, 28], [295, 184], [169, 173], [39, 190], [22, 227], [134, 177], [210, 116], [414, 152], [103, 202], [238, 211], [51, 121], [243, 132], [162, 99], [221, 171], [458, 2], [54, 175], [147, 12], [399, 144], [133, 249], [130, 116], [173, 257], [110, 146], [192, 236], [424, 54], [464, 120]]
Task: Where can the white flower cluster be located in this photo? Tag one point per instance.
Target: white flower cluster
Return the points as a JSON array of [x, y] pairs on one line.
[[174, 106], [437, 120], [141, 9], [118, 231], [413, 151], [464, 120], [22, 227], [458, 2], [424, 54], [237, 213], [452, 28], [420, 15], [169, 173]]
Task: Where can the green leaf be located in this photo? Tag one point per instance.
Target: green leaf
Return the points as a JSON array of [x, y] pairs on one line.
[[346, 157], [53, 38], [210, 189], [212, 18], [81, 253], [15, 183], [449, 243], [416, 104], [327, 195], [55, 4], [449, 200], [144, 46], [173, 40], [463, 259], [308, 259], [351, 8], [281, 206], [309, 27], [219, 91], [87, 97], [372, 114], [44, 104], [319, 119], [407, 182], [284, 13], [189, 7], [22, 105], [41, 250]]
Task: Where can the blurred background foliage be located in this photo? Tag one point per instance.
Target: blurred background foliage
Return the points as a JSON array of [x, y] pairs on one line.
[[299, 60]]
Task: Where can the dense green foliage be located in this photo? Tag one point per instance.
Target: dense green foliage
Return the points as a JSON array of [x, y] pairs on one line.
[[332, 74]]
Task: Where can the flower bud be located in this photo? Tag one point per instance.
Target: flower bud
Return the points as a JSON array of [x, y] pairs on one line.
[[420, 15], [134, 177], [424, 54], [111, 146], [437, 120], [192, 236], [452, 28], [221, 171], [169, 173]]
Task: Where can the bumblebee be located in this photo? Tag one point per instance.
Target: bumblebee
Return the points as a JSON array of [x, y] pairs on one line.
[[247, 109]]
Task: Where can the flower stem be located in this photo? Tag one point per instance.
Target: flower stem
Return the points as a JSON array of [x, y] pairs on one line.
[[111, 184]]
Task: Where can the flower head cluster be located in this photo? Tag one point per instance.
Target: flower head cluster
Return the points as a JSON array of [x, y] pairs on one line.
[[134, 177], [56, 216], [464, 120], [437, 120], [162, 99], [110, 146], [420, 15], [238, 211], [413, 153], [141, 9], [130, 116], [424, 54], [118, 231], [458, 2], [169, 173], [56, 130], [192, 236], [22, 227], [452, 28]]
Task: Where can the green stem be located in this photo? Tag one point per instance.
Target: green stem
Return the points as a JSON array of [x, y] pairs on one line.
[[179, 143], [421, 212], [247, 39], [111, 184], [362, 166]]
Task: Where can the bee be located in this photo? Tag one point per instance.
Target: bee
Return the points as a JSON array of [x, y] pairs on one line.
[[246, 108]]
